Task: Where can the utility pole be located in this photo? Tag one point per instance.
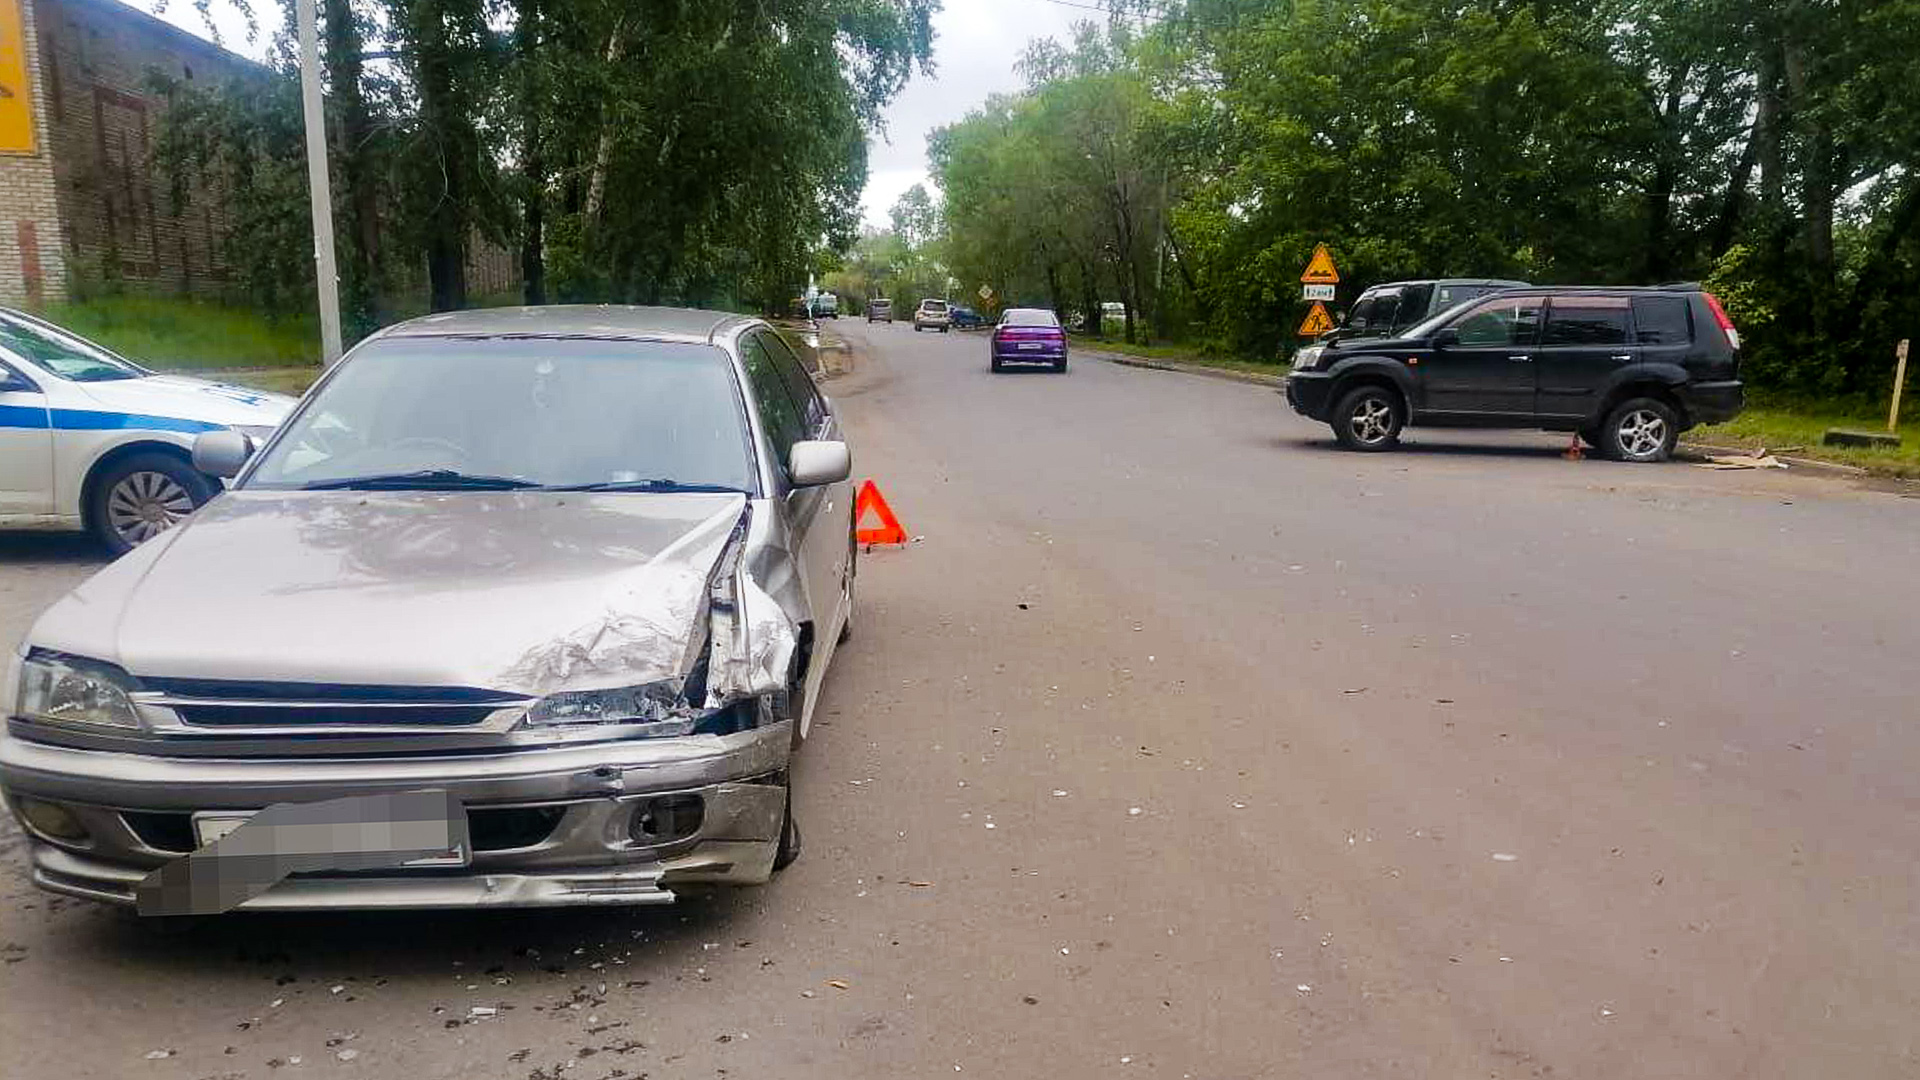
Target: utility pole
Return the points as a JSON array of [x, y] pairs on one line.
[[325, 274]]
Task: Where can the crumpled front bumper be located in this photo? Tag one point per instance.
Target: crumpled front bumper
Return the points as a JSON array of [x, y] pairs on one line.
[[599, 799]]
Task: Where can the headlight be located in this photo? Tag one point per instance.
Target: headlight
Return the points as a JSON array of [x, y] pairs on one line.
[[1308, 358], [59, 689], [654, 711]]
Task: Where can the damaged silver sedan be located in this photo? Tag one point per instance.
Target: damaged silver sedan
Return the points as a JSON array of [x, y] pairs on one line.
[[520, 607]]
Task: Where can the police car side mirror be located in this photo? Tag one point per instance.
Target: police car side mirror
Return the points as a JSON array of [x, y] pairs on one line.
[[221, 453]]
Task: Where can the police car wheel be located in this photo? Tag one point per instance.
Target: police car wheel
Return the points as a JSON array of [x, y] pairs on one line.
[[142, 496]]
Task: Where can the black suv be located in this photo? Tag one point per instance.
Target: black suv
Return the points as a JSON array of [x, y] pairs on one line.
[[1627, 368], [1392, 308]]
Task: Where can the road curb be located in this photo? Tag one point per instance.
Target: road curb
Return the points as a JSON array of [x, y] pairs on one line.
[[1254, 377]]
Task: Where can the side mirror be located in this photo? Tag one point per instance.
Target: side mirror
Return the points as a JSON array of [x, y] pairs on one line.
[[814, 463], [1445, 337], [221, 453]]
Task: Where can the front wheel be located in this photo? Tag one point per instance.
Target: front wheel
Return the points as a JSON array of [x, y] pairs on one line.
[[1642, 430], [142, 496], [1369, 418]]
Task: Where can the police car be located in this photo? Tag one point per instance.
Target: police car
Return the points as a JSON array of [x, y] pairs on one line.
[[89, 440]]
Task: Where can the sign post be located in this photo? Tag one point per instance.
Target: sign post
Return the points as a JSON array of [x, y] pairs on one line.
[[1317, 283], [319, 192], [1899, 381]]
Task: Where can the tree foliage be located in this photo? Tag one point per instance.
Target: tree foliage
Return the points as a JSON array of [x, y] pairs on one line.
[[695, 151], [1186, 163]]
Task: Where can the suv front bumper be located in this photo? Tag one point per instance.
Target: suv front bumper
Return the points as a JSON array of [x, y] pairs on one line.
[[594, 803], [1307, 392]]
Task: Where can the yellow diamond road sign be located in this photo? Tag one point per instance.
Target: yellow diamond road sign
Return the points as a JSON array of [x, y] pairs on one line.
[[1320, 271]]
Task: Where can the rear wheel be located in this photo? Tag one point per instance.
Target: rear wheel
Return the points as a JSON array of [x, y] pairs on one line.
[[998, 366], [141, 496], [1060, 366], [1369, 418], [1641, 429]]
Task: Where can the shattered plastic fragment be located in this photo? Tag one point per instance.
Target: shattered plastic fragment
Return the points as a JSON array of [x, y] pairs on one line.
[[1502, 856]]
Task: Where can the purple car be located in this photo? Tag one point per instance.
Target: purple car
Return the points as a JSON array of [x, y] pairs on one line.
[[1029, 336]]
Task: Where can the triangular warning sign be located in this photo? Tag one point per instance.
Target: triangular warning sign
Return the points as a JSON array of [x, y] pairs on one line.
[[1320, 271], [1318, 321], [889, 531]]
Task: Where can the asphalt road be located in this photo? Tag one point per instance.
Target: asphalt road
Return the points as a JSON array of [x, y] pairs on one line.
[[1184, 745]]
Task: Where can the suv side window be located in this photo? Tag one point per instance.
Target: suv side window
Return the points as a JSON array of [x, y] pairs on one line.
[[1507, 321], [1373, 314], [1662, 320], [812, 409], [778, 414], [1587, 320], [1413, 306]]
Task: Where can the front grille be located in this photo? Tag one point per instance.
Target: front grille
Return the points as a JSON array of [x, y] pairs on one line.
[[208, 714], [219, 703]]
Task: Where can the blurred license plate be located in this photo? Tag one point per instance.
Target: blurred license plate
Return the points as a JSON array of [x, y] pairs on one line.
[[1034, 345], [213, 826], [210, 827]]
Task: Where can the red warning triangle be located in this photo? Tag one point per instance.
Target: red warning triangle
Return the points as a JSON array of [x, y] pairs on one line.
[[889, 531]]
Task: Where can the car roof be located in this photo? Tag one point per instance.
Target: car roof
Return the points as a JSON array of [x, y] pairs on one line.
[[1502, 282], [1605, 290], [577, 320]]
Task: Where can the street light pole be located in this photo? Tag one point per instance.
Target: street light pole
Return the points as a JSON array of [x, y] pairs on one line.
[[325, 274]]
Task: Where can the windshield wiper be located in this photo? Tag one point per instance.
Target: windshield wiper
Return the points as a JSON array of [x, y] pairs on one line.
[[674, 487], [422, 480]]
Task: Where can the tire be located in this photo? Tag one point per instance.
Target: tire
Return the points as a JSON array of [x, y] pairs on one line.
[[1369, 418], [998, 367], [1641, 429], [916, 328], [1591, 436], [141, 496], [1060, 367], [789, 849]]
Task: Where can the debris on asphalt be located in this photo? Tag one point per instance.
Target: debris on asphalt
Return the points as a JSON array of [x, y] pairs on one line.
[[347, 1055], [1502, 856], [1355, 690], [838, 984], [160, 1055], [479, 1011], [1760, 460], [1133, 811], [1304, 988]]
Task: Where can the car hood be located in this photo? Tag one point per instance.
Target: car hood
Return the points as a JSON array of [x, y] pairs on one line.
[[205, 404], [1375, 344], [525, 592]]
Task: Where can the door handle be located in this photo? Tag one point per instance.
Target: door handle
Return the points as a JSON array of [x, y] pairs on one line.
[[1520, 359], [1621, 358]]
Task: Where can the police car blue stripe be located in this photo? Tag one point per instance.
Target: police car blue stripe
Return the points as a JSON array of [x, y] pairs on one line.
[[88, 420], [22, 416]]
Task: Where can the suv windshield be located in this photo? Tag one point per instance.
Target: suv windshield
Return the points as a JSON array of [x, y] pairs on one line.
[[935, 306], [521, 412], [62, 354]]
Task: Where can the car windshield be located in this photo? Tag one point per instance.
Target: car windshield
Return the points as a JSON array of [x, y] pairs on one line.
[[1028, 317], [434, 413], [61, 354]]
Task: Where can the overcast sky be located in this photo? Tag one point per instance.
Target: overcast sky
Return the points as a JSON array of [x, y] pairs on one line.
[[976, 43]]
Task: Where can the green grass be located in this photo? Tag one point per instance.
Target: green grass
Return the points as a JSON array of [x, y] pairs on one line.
[[186, 334], [1794, 426], [284, 380], [1184, 354]]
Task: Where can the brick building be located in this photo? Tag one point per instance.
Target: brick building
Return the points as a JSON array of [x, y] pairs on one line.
[[77, 194]]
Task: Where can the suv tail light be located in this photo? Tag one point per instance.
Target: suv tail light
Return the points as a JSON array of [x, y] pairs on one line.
[[1720, 316]]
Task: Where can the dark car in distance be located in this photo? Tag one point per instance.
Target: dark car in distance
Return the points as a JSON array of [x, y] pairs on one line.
[[1029, 336], [1627, 368], [965, 318], [1386, 309]]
